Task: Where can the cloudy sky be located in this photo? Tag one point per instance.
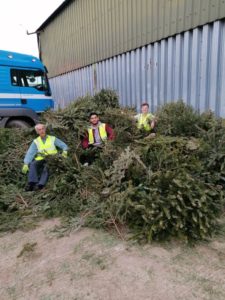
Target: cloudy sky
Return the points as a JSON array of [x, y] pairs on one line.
[[18, 16]]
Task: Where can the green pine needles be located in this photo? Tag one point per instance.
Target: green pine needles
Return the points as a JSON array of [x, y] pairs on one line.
[[156, 188]]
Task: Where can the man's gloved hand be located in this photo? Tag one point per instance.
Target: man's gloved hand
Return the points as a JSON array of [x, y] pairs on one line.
[[64, 154], [25, 169]]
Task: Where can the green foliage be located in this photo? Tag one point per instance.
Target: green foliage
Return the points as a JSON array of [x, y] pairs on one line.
[[12, 147], [168, 186], [179, 119], [159, 201], [176, 118]]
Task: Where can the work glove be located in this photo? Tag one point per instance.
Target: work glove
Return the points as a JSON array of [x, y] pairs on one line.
[[25, 169], [64, 154]]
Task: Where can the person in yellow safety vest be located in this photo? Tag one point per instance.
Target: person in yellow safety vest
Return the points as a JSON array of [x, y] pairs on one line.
[[96, 135], [97, 132], [34, 161], [145, 120]]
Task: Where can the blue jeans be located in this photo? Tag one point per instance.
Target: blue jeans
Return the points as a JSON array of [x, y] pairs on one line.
[[38, 172]]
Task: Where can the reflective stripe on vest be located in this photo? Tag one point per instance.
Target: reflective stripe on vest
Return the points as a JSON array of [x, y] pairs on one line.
[[143, 121], [102, 133], [47, 148]]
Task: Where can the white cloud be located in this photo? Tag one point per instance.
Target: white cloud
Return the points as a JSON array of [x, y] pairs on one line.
[[18, 16]]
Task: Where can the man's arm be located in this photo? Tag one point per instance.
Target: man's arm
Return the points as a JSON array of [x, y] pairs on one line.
[[31, 152], [85, 142], [60, 144], [153, 123], [110, 132], [152, 120]]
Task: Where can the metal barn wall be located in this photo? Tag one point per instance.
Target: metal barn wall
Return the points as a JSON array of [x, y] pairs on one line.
[[188, 66], [84, 32]]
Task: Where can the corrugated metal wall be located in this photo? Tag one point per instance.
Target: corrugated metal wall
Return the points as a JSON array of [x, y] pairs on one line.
[[88, 31], [188, 66]]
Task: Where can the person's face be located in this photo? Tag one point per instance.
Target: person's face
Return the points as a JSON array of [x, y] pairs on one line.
[[144, 109], [41, 131], [94, 119]]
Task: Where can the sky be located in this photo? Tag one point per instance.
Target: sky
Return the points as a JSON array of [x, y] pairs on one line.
[[19, 16]]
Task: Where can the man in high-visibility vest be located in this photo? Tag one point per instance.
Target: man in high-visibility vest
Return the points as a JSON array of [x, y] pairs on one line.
[[97, 133], [34, 161], [145, 120], [95, 137]]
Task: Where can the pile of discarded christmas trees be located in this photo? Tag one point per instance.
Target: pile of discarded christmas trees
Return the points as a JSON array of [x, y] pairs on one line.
[[171, 185]]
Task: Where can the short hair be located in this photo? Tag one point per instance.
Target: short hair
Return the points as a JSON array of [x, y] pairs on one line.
[[93, 114], [145, 104], [38, 125]]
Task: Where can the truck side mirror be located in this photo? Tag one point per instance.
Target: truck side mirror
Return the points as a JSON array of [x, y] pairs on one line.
[[48, 93]]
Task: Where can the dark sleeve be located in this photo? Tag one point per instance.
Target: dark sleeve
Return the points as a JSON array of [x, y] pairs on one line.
[[85, 142], [110, 132]]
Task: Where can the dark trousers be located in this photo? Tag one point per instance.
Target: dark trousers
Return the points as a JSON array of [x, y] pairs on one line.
[[90, 154], [38, 172]]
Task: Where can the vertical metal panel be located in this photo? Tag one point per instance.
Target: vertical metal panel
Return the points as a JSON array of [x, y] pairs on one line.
[[128, 79], [196, 12], [132, 78], [170, 69], [88, 31], [155, 76], [143, 73], [214, 9], [177, 69], [164, 68], [221, 109], [215, 65], [188, 66]]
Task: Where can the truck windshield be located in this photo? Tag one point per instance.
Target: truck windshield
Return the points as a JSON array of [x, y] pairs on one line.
[[30, 78]]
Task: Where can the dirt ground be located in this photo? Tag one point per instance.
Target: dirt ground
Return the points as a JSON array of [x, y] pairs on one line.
[[94, 265]]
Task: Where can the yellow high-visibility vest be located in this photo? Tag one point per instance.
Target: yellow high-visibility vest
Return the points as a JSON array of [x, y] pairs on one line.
[[144, 120], [47, 148], [102, 133]]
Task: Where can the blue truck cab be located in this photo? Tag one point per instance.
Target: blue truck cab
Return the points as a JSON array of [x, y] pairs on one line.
[[24, 90]]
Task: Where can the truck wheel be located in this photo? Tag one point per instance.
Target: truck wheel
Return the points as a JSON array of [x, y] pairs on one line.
[[17, 124]]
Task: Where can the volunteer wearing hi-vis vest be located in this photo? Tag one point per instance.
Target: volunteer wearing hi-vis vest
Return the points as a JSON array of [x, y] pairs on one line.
[[145, 120], [34, 161], [97, 132]]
